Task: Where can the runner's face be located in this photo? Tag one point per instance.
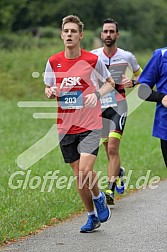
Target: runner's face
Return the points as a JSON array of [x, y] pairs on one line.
[[71, 35], [109, 35]]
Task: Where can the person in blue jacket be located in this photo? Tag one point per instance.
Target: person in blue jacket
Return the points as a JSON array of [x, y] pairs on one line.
[[155, 74]]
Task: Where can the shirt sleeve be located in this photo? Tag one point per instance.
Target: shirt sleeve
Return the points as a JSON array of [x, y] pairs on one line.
[[134, 64], [49, 76], [101, 71]]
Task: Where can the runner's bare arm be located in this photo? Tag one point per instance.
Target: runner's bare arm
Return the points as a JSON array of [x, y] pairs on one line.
[[108, 86]]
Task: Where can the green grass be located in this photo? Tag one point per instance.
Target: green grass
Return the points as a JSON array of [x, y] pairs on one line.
[[24, 210]]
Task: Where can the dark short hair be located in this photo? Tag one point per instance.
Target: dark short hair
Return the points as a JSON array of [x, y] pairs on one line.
[[111, 21]]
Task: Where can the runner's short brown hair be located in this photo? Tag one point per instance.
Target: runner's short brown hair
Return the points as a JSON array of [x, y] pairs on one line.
[[73, 19]]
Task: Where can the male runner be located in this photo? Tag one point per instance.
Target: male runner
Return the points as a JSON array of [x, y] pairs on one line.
[[115, 106], [71, 76]]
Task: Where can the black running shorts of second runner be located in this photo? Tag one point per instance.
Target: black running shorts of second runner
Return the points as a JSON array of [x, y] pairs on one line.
[[114, 119], [72, 145]]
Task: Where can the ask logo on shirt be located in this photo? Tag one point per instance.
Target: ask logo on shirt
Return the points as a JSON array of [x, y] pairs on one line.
[[70, 82]]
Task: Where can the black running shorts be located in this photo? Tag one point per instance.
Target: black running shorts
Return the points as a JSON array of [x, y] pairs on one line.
[[114, 120], [72, 145]]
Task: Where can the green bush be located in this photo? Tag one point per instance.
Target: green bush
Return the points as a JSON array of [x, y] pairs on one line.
[[13, 40], [88, 39], [48, 32], [26, 41], [125, 40], [42, 37]]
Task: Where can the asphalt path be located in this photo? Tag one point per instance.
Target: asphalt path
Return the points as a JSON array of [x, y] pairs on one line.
[[138, 224]]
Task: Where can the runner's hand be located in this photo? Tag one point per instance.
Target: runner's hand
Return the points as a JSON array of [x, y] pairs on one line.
[[164, 101], [126, 82], [50, 92], [91, 100]]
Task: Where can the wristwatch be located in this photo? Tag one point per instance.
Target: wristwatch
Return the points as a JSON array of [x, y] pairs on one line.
[[97, 94]]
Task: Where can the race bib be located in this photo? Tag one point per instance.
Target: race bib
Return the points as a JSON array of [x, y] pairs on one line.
[[71, 100], [108, 100]]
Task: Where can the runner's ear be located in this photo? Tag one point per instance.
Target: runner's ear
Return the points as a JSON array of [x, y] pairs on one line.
[[61, 35]]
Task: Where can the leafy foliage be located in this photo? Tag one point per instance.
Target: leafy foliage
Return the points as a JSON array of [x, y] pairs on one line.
[[144, 20]]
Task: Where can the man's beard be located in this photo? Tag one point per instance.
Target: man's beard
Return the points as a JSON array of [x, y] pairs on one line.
[[109, 42]]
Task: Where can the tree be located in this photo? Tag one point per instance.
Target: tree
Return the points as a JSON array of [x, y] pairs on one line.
[[144, 22]]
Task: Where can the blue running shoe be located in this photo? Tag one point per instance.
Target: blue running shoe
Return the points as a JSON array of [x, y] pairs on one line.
[[102, 209], [120, 185], [91, 224], [109, 197]]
